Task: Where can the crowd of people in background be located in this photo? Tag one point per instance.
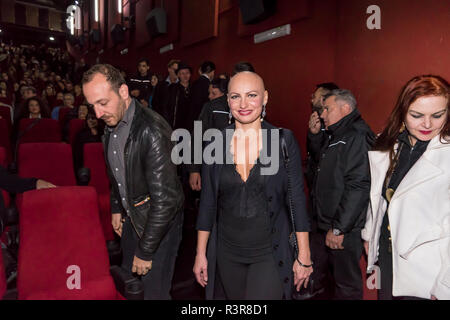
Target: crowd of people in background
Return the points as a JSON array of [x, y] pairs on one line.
[[45, 82], [42, 82]]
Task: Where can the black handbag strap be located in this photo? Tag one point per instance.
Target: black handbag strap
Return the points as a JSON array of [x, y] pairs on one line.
[[285, 153]]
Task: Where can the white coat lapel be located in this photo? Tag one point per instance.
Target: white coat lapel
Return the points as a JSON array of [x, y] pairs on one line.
[[422, 171]]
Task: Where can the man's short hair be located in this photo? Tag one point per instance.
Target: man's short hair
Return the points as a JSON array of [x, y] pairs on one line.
[[112, 75], [343, 95], [172, 62], [207, 67], [144, 60], [69, 94], [221, 84], [328, 86], [242, 66]]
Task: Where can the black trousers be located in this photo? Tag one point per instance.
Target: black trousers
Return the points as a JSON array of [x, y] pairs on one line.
[[158, 281], [343, 264], [257, 280]]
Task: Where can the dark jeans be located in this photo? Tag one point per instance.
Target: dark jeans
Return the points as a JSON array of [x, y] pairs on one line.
[[343, 264], [158, 281], [258, 280]]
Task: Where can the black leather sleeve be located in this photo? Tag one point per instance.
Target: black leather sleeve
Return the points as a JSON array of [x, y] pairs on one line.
[[116, 207], [166, 193]]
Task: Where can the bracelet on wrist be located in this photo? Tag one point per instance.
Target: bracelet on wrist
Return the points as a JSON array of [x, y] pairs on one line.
[[304, 265]]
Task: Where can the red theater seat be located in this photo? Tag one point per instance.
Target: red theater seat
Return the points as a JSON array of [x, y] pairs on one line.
[[61, 240], [45, 130], [5, 138], [95, 161], [75, 126], [48, 161], [63, 111], [5, 113], [3, 163], [2, 277]]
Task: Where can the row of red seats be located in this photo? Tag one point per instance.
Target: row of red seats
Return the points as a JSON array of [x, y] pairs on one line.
[[55, 218], [62, 252], [53, 162], [45, 130], [6, 112]]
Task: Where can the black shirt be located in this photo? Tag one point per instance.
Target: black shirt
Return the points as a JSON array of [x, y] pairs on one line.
[[243, 215]]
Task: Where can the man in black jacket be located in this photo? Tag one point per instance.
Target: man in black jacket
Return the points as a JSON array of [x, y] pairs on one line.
[[146, 197], [341, 188], [140, 84], [178, 113], [214, 115], [199, 92]]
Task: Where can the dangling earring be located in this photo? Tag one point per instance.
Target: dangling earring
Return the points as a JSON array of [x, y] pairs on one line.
[[402, 128], [263, 113], [229, 117]]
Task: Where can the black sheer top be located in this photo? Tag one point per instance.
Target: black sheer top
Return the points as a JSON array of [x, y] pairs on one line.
[[243, 213]]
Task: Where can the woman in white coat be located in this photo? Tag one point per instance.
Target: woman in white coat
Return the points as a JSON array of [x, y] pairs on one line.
[[407, 229]]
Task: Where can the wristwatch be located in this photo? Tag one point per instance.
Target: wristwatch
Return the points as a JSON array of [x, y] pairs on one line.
[[337, 232]]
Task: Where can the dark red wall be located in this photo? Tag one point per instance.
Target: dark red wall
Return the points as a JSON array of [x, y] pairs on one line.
[[414, 39], [290, 66], [331, 44]]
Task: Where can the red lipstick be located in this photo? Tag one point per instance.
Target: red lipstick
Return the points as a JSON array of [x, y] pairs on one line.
[[425, 132]]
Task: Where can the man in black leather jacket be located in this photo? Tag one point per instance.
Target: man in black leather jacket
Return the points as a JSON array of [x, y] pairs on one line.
[[146, 196], [341, 189]]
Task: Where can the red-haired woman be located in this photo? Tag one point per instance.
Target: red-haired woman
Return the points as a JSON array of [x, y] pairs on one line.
[[408, 220]]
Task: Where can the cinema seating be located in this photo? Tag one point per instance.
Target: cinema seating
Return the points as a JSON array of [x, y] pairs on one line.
[[2, 277], [75, 126], [5, 113], [43, 130], [95, 161], [3, 162], [61, 242], [48, 161], [5, 136]]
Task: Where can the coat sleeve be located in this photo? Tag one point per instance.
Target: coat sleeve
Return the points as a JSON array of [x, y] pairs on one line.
[[208, 200], [367, 231], [355, 197], [302, 219], [166, 193], [13, 183]]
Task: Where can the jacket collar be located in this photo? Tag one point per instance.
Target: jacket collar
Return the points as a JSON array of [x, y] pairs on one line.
[[138, 110], [344, 123], [422, 171]]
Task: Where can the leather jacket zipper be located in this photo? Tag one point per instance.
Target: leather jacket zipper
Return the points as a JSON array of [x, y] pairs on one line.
[[130, 207]]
